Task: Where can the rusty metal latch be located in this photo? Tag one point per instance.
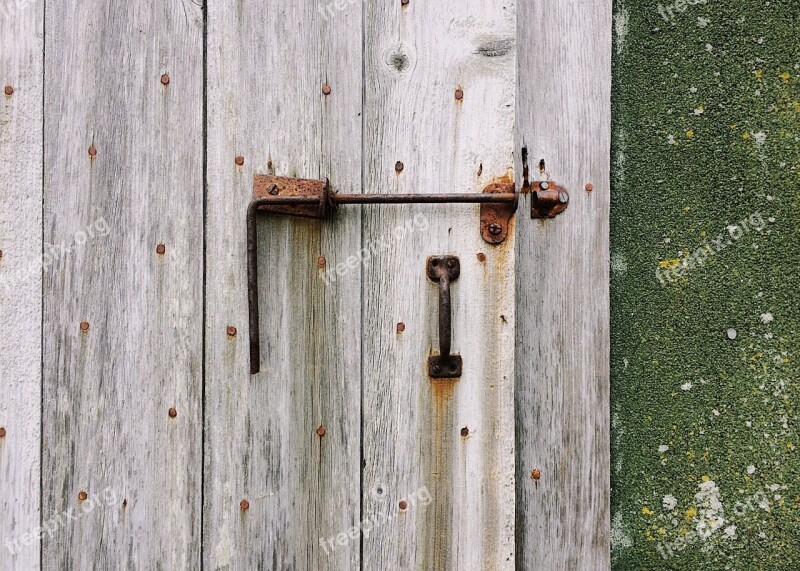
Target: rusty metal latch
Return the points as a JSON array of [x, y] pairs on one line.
[[314, 199], [444, 270]]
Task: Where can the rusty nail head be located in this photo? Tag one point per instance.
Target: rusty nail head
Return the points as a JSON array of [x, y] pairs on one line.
[[9, 90], [459, 94], [1, 254], [2, 431], [401, 327], [321, 261], [589, 187], [536, 474], [481, 257], [326, 89], [403, 504], [92, 151], [437, 369], [465, 431], [399, 166], [160, 249], [239, 160], [244, 505], [84, 326], [82, 495], [173, 412], [495, 229], [231, 330], [321, 431], [165, 79], [404, 2]]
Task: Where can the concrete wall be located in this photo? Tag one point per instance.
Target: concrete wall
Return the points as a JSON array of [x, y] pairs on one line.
[[705, 289]]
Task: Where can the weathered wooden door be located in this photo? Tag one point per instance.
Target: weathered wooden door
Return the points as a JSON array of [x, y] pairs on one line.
[[134, 434]]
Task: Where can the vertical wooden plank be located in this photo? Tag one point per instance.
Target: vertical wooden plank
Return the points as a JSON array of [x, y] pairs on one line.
[[562, 380], [121, 475], [457, 491], [266, 69], [21, 59]]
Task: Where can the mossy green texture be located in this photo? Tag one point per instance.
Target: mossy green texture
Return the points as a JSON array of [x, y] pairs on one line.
[[705, 285]]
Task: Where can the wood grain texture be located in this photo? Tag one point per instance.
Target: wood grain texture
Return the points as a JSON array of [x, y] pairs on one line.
[[267, 65], [562, 362], [108, 390], [21, 60], [458, 490]]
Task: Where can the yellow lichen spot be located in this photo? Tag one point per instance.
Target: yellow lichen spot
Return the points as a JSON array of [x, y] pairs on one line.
[[687, 209], [706, 478], [691, 513], [746, 136], [703, 233], [689, 134], [734, 126], [673, 263], [759, 74], [662, 531], [647, 511], [785, 76], [796, 106], [790, 446]]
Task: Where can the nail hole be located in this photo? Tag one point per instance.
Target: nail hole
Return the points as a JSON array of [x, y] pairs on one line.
[[165, 79], [84, 326], [2, 431], [9, 90], [326, 89], [92, 151], [239, 160], [401, 327], [481, 257], [589, 187], [231, 331], [160, 249], [536, 474], [244, 505], [399, 166], [403, 505], [82, 495], [321, 431], [465, 431], [459, 94], [173, 412], [321, 261]]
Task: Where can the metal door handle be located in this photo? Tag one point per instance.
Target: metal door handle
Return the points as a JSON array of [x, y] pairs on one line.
[[444, 270]]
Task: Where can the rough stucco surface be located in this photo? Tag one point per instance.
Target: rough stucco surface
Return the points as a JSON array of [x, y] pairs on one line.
[[705, 374]]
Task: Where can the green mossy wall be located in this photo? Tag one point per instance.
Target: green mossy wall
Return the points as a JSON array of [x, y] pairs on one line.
[[705, 285]]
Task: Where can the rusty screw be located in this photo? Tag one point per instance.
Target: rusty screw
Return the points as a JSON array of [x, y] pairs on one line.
[[239, 160], [231, 331], [563, 197], [173, 412], [465, 431], [9, 90], [495, 229], [92, 151], [82, 496], [84, 326], [589, 187], [536, 474], [321, 431], [321, 261], [481, 257], [2, 431], [437, 369], [244, 505], [401, 327], [160, 249], [326, 89], [165, 79], [399, 166], [403, 505], [459, 94], [273, 189], [544, 185]]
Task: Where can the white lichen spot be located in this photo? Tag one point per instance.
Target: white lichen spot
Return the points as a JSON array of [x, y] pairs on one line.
[[687, 386], [619, 265], [730, 532], [703, 22], [699, 111], [749, 424], [669, 502], [715, 412], [663, 448], [709, 48], [620, 538], [759, 137], [693, 89], [731, 334], [621, 19], [671, 140], [751, 469], [767, 318]]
